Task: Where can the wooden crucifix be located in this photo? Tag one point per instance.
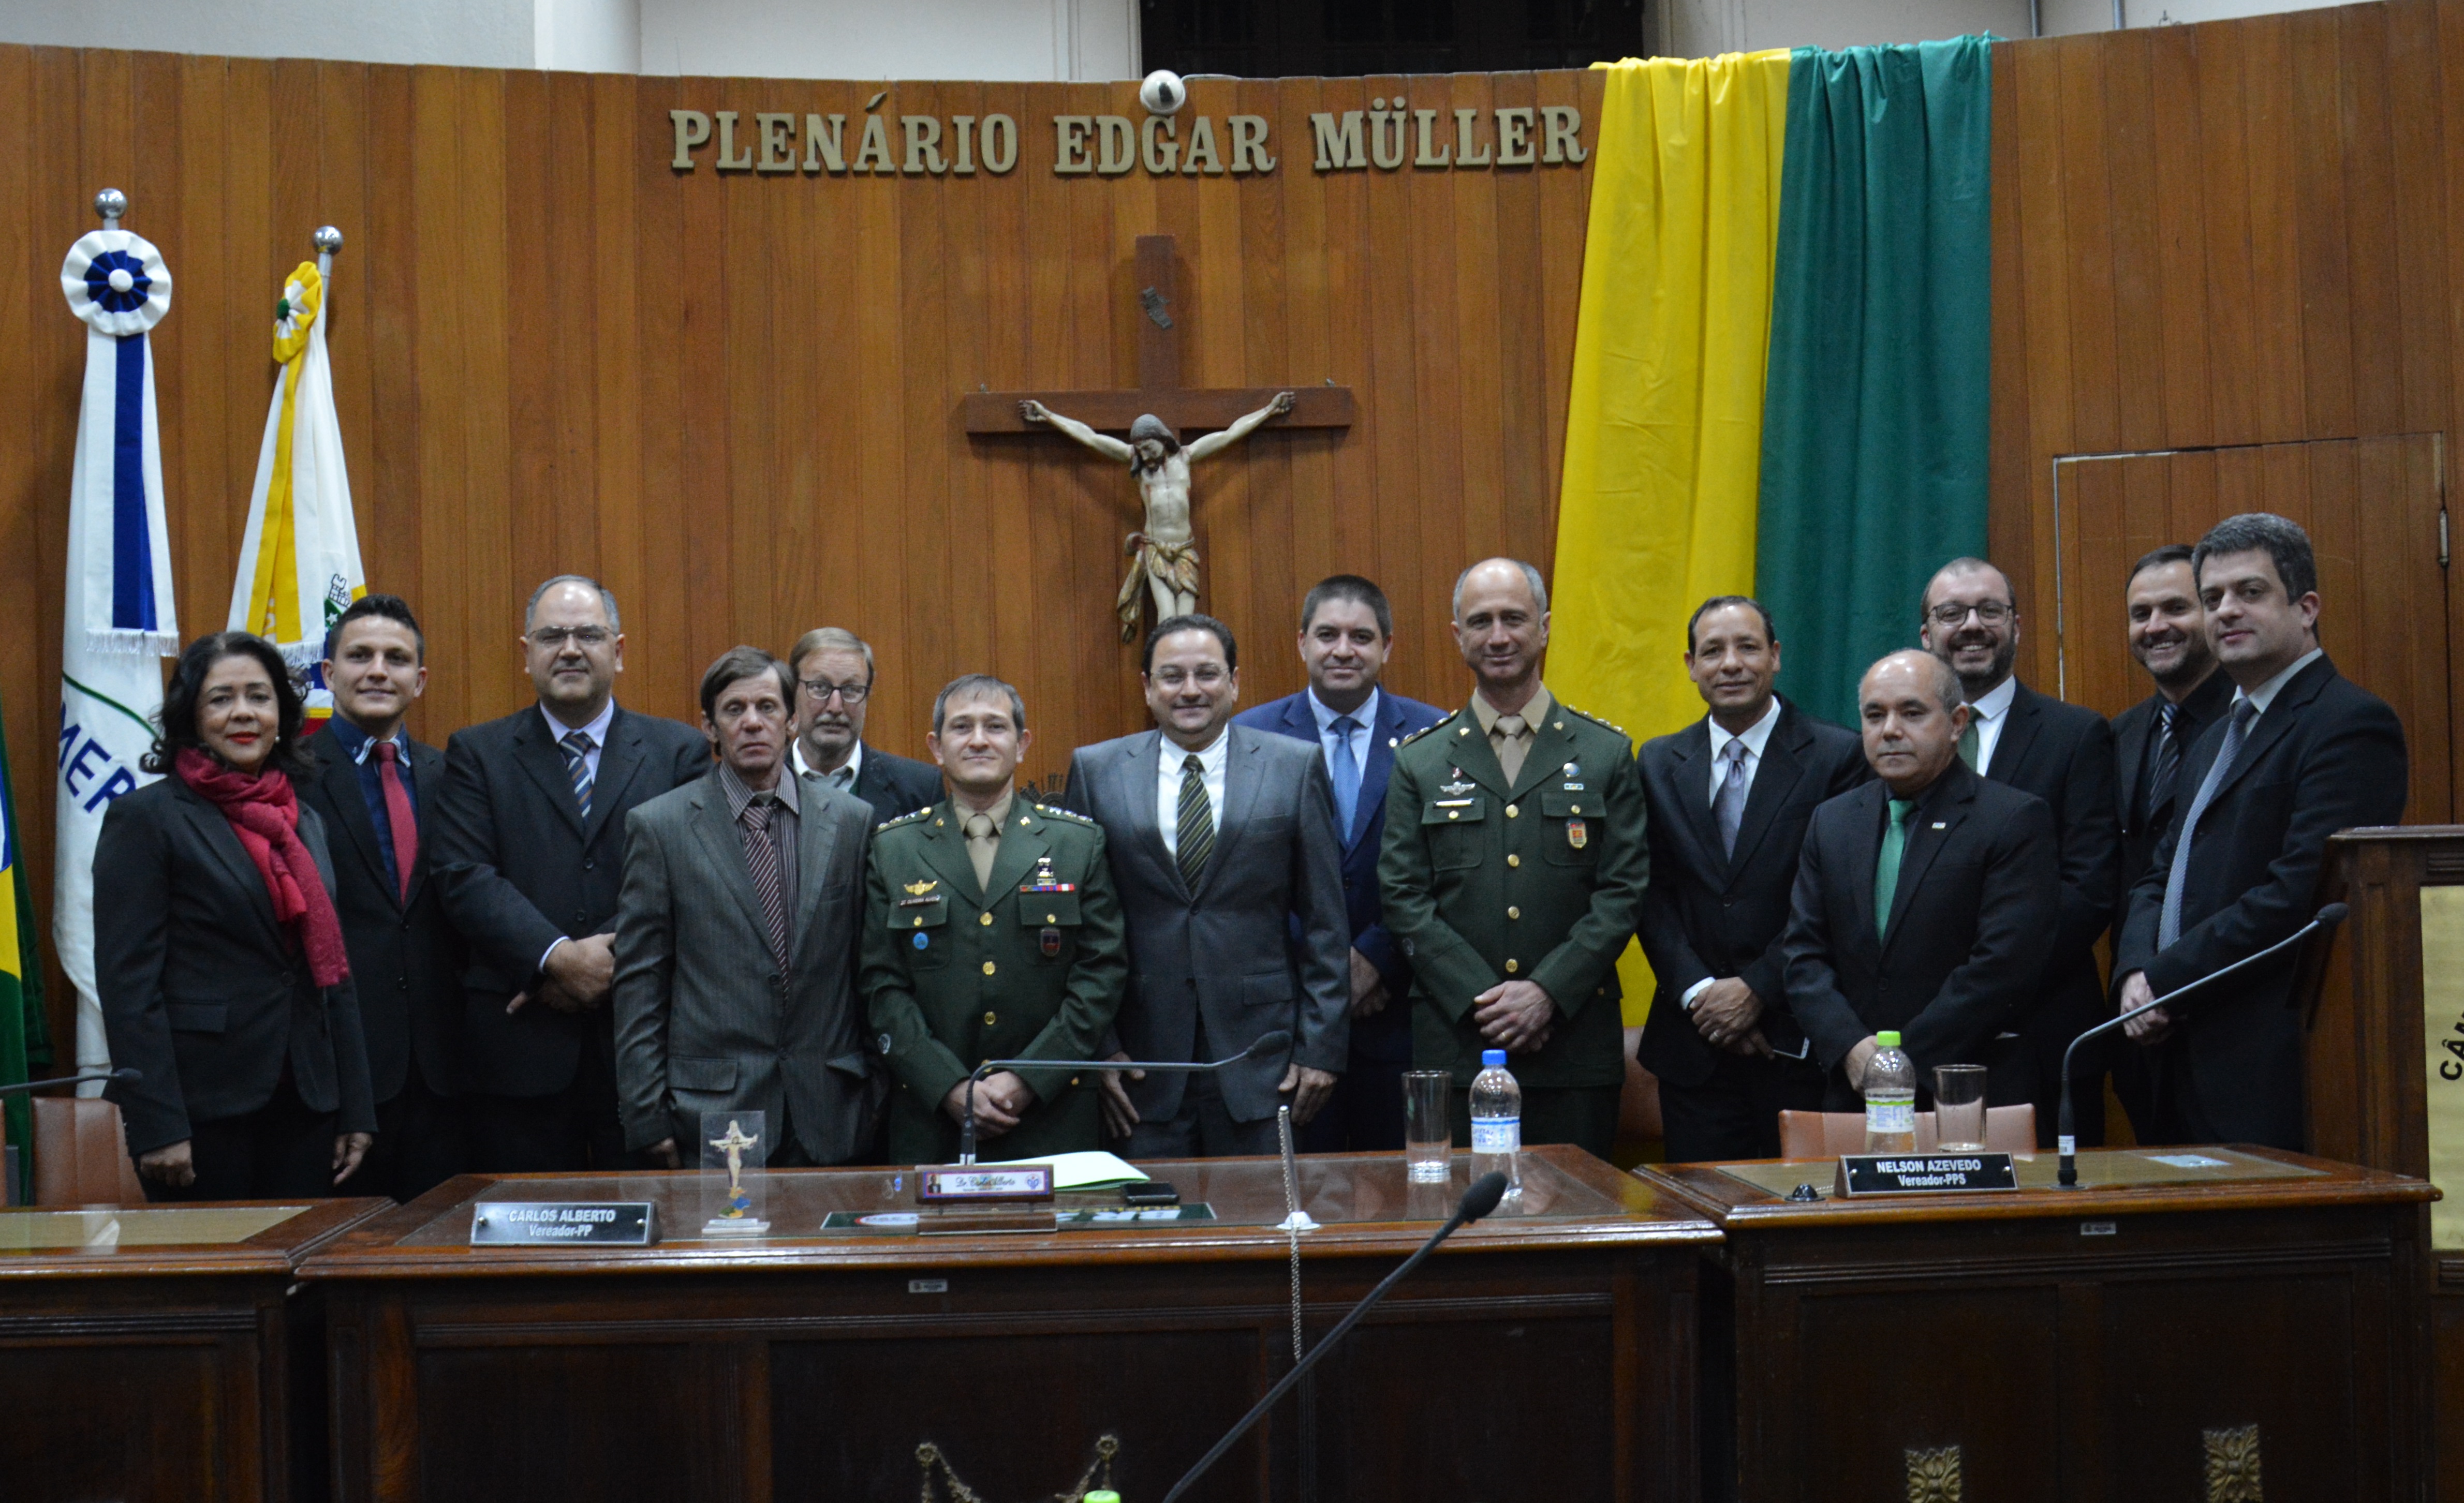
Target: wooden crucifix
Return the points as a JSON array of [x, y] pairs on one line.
[[1163, 557]]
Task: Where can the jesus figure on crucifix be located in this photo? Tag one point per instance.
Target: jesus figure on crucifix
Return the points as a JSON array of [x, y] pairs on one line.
[[1164, 555]]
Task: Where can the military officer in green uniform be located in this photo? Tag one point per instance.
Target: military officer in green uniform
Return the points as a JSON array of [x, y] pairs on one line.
[[1512, 872], [991, 932]]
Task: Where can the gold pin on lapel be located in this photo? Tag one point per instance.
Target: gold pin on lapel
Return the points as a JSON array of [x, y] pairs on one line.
[[921, 888]]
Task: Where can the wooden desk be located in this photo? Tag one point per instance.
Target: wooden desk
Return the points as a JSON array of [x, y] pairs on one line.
[[152, 1352], [2140, 1337], [1547, 1354]]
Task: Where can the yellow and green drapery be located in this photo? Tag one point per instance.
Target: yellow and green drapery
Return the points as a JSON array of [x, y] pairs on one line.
[[1781, 359], [24, 1039]]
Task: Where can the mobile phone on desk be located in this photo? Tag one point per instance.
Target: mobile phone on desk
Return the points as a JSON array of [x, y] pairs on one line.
[[1154, 1192]]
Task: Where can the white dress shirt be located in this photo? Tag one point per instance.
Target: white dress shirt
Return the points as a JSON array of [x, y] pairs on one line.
[[2265, 694], [1211, 762], [1990, 714], [597, 731], [1366, 715], [853, 767]]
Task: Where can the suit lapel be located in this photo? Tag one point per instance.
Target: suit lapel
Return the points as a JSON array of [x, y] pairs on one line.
[[1553, 747], [1873, 805], [945, 849], [1371, 812], [618, 761], [722, 845], [2020, 722], [223, 841], [1241, 777], [539, 756], [1021, 843], [2130, 756], [1775, 779], [1693, 773], [817, 843], [2271, 726], [427, 778], [1141, 764], [341, 777], [1471, 750], [1932, 824]]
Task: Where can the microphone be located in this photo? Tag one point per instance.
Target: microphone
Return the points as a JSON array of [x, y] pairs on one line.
[[1273, 1043], [1477, 1201], [2066, 1131], [125, 1076]]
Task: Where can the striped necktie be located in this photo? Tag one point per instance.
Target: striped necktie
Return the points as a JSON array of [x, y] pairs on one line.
[[576, 746], [2164, 764], [2168, 922], [1193, 838], [761, 861]]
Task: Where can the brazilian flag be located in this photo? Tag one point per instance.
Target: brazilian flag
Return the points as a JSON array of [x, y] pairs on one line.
[[23, 1038]]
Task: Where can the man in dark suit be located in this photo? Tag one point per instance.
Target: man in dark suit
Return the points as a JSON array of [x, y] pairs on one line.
[[372, 785], [1925, 902], [2063, 754], [1222, 850], [1347, 632], [833, 670], [2168, 636], [2302, 754], [735, 939], [1729, 797], [529, 848]]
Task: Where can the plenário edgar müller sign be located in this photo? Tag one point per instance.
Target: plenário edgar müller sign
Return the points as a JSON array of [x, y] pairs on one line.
[[1388, 137]]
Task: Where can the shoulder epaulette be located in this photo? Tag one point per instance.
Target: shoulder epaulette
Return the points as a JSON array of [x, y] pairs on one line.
[[906, 818], [1056, 812], [1594, 719], [1425, 729]]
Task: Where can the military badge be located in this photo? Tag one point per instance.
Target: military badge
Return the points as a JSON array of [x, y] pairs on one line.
[[1576, 836], [1051, 943], [917, 889], [922, 940], [1457, 789]]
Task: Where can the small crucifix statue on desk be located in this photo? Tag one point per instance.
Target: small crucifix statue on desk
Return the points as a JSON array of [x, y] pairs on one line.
[[1155, 415], [1165, 555], [734, 1144]]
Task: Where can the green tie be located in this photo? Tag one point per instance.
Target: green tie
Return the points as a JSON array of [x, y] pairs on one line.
[[1886, 871], [1968, 744]]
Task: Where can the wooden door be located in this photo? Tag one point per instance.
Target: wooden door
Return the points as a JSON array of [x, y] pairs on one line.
[[2374, 509]]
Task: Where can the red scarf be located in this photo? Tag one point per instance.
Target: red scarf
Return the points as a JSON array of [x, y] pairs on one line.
[[264, 812]]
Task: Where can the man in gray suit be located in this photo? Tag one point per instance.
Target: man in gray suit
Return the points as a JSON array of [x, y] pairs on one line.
[[1222, 849], [735, 943]]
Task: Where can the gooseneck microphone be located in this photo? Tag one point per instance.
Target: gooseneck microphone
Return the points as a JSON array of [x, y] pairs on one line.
[[2065, 1133], [125, 1076], [1477, 1201], [1272, 1043]]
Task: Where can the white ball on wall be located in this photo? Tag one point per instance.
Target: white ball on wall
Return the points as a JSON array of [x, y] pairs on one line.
[[1164, 93]]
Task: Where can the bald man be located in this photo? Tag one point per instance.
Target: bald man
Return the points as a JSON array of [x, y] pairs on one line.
[[1926, 901]]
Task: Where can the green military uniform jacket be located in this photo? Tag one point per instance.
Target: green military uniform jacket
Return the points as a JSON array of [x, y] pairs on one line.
[[952, 975], [1540, 881]]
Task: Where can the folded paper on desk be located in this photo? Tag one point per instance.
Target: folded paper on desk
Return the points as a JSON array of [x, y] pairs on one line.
[[1096, 1170]]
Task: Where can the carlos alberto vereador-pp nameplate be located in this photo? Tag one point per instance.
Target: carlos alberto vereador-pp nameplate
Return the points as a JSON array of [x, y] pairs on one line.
[[1925, 1173], [549, 1223]]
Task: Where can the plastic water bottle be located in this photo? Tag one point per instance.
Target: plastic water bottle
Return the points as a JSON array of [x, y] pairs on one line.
[[1496, 1122], [1890, 1099]]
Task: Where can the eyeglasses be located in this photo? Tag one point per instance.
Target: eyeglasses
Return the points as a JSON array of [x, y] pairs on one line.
[[849, 695], [554, 638], [1992, 613]]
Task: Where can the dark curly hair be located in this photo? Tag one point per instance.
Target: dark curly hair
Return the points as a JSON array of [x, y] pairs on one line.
[[176, 725]]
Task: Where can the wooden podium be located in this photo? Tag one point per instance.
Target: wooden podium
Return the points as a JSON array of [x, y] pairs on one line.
[[2366, 1056]]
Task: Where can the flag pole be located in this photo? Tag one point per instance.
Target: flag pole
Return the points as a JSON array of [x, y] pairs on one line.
[[111, 204], [328, 241]]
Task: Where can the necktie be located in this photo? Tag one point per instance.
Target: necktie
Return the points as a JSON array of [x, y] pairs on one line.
[[2165, 763], [576, 745], [403, 826], [983, 843], [761, 860], [1510, 745], [1728, 810], [1969, 742], [1346, 770], [2169, 926], [1886, 871], [1194, 840]]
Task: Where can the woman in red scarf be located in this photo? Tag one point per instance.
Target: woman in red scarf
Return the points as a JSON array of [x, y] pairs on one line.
[[218, 958]]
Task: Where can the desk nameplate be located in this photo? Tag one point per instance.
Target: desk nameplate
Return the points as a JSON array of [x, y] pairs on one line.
[[553, 1222], [1924, 1174], [936, 1184]]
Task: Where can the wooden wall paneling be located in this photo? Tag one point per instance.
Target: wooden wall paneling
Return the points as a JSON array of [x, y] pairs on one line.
[[2378, 334], [733, 563], [2226, 208], [2320, 225], [2417, 223], [943, 552], [973, 623], [378, 273], [2035, 192], [570, 293], [228, 416], [2142, 402], [673, 271], [456, 698], [2179, 211], [2010, 453], [1015, 584], [2088, 208], [484, 281], [1293, 211], [1420, 556], [344, 144], [536, 231], [2269, 122], [28, 707], [2396, 511], [609, 266], [1565, 222], [1480, 340], [1440, 357], [704, 409], [1289, 533], [1062, 651]]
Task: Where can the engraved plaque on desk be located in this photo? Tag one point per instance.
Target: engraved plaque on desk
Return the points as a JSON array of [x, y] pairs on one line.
[[563, 1223], [1863, 1174], [981, 1182]]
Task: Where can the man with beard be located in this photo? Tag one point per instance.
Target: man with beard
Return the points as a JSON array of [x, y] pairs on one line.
[[833, 673], [2063, 754]]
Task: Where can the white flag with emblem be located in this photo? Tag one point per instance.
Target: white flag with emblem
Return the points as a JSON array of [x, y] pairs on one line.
[[299, 556]]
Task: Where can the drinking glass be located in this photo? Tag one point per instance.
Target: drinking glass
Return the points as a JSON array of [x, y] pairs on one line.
[[1959, 1108], [1428, 1135]]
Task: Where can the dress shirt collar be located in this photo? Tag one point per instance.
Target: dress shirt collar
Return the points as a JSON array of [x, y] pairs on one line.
[[359, 745], [596, 731], [1994, 703], [1174, 756], [2265, 694], [1755, 736], [740, 794], [1366, 714], [1534, 710], [999, 811], [854, 763]]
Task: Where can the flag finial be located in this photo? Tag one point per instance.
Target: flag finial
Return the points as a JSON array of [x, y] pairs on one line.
[[111, 204], [328, 239]]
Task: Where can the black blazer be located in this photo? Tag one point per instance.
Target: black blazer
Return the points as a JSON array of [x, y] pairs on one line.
[[519, 867], [2206, 706], [406, 959], [2327, 755], [200, 988], [895, 786], [2063, 754], [1972, 921], [1707, 914]]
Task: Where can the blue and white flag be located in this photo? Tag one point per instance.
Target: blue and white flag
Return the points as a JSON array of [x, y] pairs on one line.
[[119, 623]]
